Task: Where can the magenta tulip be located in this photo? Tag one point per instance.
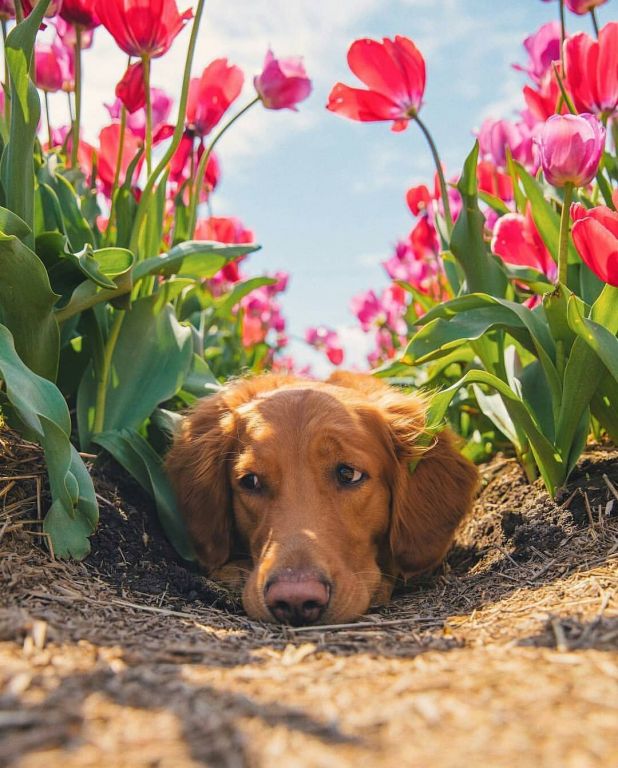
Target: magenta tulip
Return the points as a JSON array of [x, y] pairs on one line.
[[595, 234], [581, 7], [283, 83], [571, 147]]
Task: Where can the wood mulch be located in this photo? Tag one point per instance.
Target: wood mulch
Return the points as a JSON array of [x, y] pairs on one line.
[[507, 656]]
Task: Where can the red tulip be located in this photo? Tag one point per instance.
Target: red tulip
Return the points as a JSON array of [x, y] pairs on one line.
[[283, 83], [326, 340], [571, 147], [53, 67], [211, 94], [517, 241], [394, 73], [52, 8], [542, 101], [418, 199], [7, 9], [80, 12], [130, 90], [109, 139], [595, 234], [591, 69], [142, 27]]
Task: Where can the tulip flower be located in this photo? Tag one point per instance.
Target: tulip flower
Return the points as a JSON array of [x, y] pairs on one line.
[[591, 70], [496, 135], [212, 94], [571, 147], [595, 234], [52, 8], [516, 240], [418, 199], [542, 100], [48, 68], [109, 141], [7, 9], [80, 12], [581, 7], [543, 48], [136, 122], [283, 83], [394, 73], [326, 340], [142, 28], [130, 90]]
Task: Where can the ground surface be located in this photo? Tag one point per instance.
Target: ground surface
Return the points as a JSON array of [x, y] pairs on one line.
[[508, 657]]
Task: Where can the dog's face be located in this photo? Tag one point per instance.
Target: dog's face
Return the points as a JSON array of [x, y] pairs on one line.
[[311, 483]]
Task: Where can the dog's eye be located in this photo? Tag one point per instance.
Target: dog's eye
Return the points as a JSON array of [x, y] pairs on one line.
[[250, 482], [347, 475]]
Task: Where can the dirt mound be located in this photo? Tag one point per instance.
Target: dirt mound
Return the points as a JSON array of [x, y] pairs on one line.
[[507, 655]]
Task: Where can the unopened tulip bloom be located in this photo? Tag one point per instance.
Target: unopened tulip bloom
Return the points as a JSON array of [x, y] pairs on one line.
[[595, 234], [130, 90], [142, 27], [571, 147], [283, 83], [53, 67], [211, 95], [7, 9], [591, 70], [394, 73]]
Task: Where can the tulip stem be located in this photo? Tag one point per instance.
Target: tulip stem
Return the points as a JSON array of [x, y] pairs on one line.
[[148, 190], [49, 128], [78, 95], [562, 34], [441, 180], [19, 11], [112, 210], [148, 140], [201, 168], [595, 23], [564, 233], [103, 377]]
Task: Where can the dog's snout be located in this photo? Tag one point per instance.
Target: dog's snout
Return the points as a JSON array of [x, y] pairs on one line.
[[297, 597]]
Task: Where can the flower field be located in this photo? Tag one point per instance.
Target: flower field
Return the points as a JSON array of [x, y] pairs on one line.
[[124, 299]]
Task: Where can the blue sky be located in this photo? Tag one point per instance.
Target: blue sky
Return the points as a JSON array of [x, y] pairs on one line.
[[324, 195]]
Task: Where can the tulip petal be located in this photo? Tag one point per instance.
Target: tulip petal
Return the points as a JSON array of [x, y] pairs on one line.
[[359, 104]]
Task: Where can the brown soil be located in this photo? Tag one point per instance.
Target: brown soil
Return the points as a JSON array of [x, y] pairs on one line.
[[507, 656]]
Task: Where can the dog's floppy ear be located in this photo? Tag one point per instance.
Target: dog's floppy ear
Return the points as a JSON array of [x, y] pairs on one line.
[[433, 489], [197, 468]]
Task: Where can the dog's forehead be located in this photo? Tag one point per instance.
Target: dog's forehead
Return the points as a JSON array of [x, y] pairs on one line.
[[302, 407]]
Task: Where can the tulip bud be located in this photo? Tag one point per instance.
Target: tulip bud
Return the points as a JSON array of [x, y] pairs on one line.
[[571, 147], [283, 83]]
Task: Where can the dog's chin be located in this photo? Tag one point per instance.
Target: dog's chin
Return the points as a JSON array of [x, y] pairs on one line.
[[350, 598]]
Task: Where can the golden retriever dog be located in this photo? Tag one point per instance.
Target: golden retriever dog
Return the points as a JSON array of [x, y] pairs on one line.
[[319, 494]]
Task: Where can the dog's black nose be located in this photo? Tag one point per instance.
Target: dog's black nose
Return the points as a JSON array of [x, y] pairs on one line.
[[297, 597]]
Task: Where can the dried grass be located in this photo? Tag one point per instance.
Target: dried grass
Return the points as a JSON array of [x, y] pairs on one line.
[[507, 657]]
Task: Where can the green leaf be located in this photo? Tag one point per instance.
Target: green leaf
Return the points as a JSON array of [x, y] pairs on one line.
[[149, 364], [483, 272], [201, 381], [549, 461], [494, 202], [42, 409], [17, 167], [26, 306], [65, 208], [11, 224], [597, 337], [133, 452], [226, 303], [196, 258]]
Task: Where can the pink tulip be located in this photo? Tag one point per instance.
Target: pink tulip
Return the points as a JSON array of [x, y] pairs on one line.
[[591, 70], [136, 122], [496, 135], [53, 67], [326, 340], [580, 7], [7, 9], [543, 48], [186, 158], [394, 73], [517, 241], [571, 147], [595, 234], [211, 95], [283, 83], [81, 12], [367, 308]]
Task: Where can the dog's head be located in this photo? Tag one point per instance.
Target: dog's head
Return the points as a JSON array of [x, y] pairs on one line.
[[311, 481]]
